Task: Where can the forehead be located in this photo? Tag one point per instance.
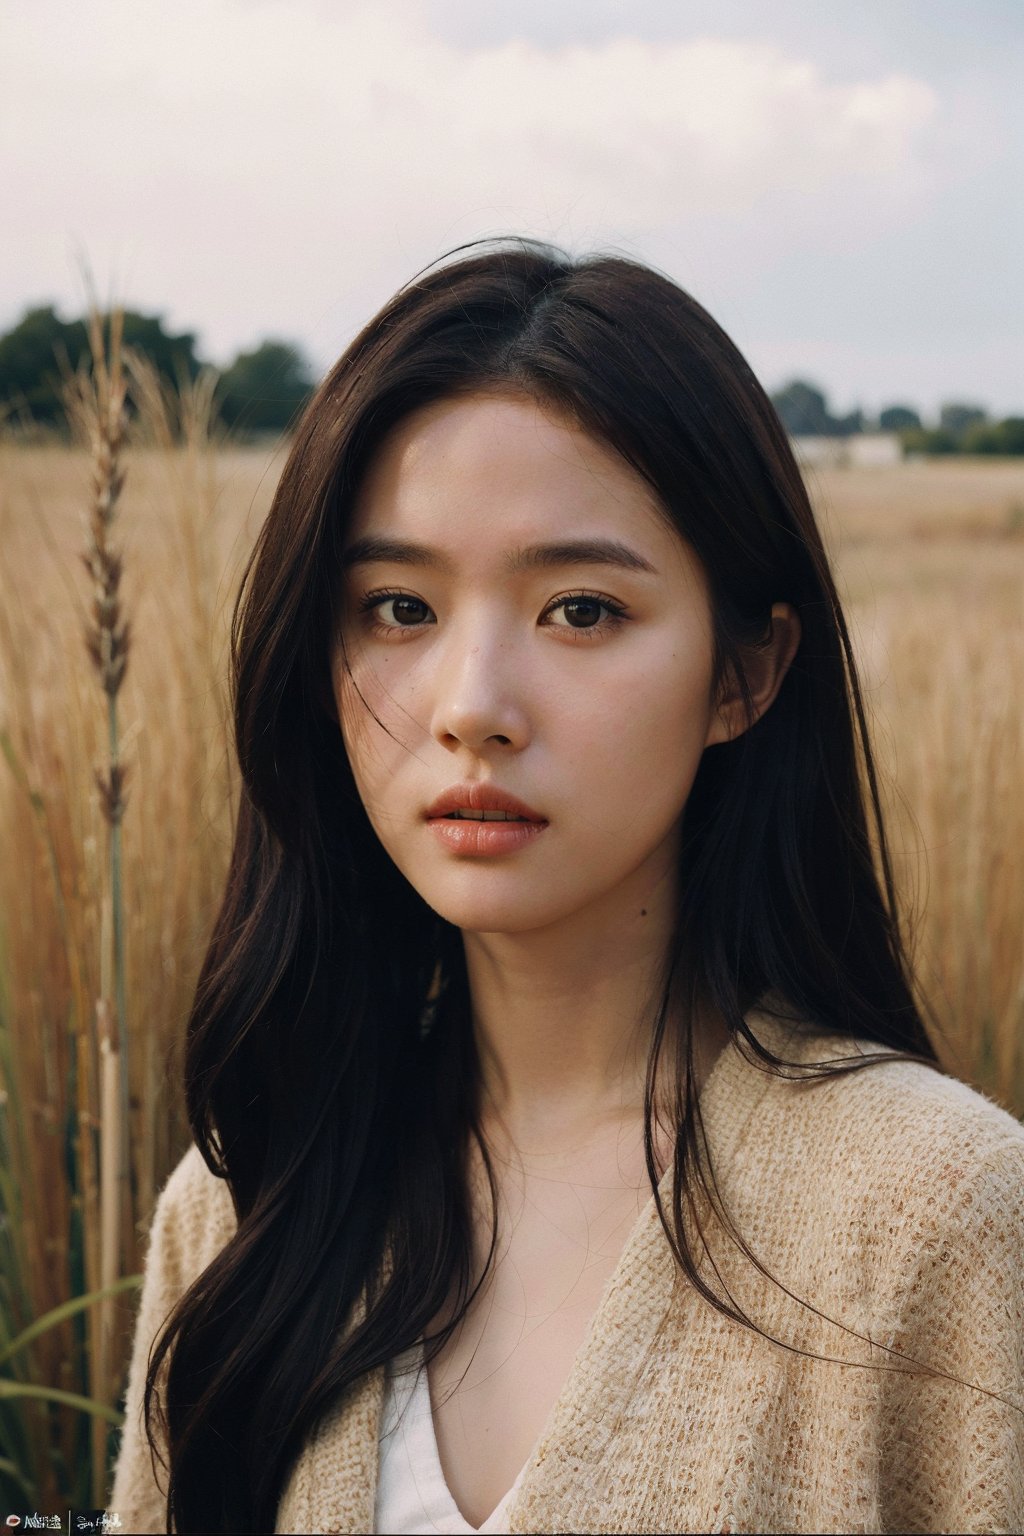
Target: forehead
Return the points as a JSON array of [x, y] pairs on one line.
[[504, 470]]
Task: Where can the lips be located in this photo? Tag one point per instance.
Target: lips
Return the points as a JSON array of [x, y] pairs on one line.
[[481, 797], [475, 838]]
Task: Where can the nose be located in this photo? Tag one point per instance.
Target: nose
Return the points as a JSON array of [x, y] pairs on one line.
[[478, 695]]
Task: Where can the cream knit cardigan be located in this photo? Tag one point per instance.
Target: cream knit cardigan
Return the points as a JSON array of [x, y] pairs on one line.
[[891, 1199]]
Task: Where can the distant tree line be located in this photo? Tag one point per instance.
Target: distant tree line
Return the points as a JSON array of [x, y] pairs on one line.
[[960, 428], [261, 391], [264, 389]]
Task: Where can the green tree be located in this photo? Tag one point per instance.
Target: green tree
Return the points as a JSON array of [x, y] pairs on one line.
[[899, 418], [263, 390], [174, 356], [929, 440], [33, 354], [957, 418], [803, 410], [30, 361], [996, 437]]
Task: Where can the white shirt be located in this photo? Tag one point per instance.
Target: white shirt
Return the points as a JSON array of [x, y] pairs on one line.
[[412, 1496]]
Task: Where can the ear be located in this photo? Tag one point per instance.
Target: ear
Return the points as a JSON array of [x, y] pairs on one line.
[[765, 665]]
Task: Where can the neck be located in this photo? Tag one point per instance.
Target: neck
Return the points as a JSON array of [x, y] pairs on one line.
[[563, 1018]]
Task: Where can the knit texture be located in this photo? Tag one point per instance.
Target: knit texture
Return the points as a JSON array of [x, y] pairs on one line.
[[890, 1199]]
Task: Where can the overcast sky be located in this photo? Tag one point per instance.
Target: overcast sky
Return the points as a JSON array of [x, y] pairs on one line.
[[841, 185]]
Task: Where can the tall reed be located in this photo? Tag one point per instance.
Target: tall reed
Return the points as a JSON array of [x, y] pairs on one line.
[[180, 556]]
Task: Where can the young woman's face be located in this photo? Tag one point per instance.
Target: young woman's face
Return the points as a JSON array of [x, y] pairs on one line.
[[579, 683]]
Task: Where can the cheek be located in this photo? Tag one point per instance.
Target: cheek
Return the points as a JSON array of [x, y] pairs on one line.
[[674, 707], [648, 725], [358, 697]]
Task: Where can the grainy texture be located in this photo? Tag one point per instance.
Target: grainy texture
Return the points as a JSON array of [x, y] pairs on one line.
[[891, 1199]]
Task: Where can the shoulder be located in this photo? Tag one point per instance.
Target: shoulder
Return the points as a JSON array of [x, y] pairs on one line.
[[899, 1142], [192, 1188], [885, 1107], [892, 1195], [194, 1218], [927, 1160]]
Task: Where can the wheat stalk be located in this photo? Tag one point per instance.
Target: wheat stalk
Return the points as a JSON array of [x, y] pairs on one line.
[[97, 405], [108, 636]]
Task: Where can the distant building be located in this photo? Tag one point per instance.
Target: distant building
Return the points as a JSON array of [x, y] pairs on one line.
[[870, 450]]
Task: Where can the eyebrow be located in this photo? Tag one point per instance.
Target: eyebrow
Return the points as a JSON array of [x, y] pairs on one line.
[[535, 557]]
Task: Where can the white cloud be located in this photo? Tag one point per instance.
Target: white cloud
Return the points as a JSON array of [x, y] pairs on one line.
[[272, 165]]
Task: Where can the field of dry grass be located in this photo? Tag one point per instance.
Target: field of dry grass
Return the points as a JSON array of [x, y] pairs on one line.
[[930, 565], [187, 520], [930, 559]]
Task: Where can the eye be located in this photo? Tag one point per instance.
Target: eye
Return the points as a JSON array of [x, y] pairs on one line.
[[585, 606], [405, 606]]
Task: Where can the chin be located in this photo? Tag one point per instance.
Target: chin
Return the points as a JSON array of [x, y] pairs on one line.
[[474, 919], [480, 913]]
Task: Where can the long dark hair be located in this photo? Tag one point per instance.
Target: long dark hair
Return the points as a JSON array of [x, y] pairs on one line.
[[331, 1075]]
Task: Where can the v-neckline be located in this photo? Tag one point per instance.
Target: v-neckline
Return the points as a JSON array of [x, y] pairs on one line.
[[645, 1264], [632, 1308], [641, 1221], [414, 1400]]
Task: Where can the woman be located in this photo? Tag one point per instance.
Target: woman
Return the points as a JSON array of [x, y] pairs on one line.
[[588, 1171]]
